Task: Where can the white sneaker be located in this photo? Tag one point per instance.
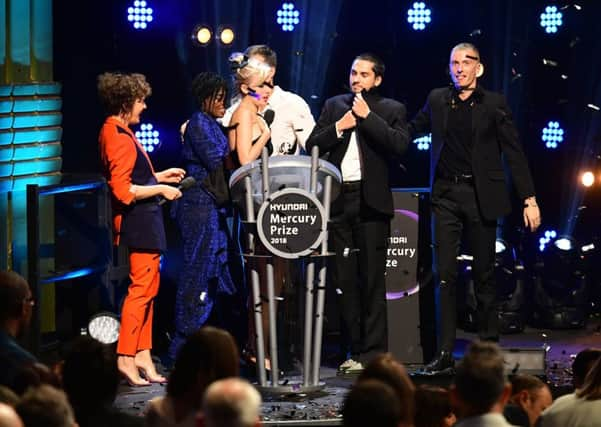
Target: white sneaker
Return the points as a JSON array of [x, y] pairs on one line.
[[355, 368], [346, 364]]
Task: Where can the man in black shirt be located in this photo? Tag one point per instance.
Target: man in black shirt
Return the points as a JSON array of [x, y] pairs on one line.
[[471, 128]]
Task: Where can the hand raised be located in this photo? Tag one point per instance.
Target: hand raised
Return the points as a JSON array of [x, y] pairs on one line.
[[360, 107], [347, 121]]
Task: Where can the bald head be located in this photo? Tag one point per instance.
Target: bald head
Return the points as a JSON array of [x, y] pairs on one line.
[[8, 417], [231, 402]]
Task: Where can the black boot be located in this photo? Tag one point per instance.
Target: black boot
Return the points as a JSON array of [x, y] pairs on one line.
[[442, 362]]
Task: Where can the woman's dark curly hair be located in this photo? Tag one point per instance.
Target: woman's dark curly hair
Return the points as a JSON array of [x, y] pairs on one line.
[[118, 91], [206, 86]]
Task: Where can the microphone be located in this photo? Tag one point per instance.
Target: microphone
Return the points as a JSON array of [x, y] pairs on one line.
[[186, 183], [268, 116]]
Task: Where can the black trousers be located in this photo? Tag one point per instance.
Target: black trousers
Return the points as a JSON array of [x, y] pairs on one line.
[[358, 236], [455, 215]]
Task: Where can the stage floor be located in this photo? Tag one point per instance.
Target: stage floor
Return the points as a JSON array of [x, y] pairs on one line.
[[324, 407]]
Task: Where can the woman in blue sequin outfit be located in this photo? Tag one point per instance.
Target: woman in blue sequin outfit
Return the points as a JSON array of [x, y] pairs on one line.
[[205, 277]]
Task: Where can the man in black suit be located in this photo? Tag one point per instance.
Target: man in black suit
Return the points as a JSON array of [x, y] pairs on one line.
[[471, 129], [361, 132]]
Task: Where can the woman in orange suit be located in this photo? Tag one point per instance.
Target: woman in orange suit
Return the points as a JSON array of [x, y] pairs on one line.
[[137, 217]]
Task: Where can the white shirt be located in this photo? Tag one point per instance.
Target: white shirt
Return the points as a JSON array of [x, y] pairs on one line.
[[570, 410], [350, 167], [292, 122]]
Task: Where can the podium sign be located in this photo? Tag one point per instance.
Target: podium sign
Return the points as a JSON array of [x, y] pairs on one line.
[[291, 223]]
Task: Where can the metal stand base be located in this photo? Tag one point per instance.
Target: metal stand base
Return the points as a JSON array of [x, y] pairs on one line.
[[290, 388]]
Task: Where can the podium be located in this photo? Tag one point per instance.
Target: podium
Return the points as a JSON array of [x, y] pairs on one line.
[[285, 204]]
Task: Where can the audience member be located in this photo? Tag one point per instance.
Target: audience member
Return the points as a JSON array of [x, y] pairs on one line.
[[8, 396], [433, 407], [16, 305], [90, 379], [8, 416], [480, 390], [208, 355], [372, 403], [385, 368], [582, 364], [231, 402], [45, 406], [529, 398], [581, 408]]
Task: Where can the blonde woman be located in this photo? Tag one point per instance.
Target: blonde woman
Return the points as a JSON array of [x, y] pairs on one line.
[[248, 133]]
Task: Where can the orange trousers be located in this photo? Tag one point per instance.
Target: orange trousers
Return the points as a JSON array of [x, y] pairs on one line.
[[136, 316]]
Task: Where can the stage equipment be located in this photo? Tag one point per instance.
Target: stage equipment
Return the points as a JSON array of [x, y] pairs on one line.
[[287, 17], [226, 35], [148, 137], [202, 35], [560, 286], [140, 14], [104, 327], [419, 16], [291, 197], [552, 135]]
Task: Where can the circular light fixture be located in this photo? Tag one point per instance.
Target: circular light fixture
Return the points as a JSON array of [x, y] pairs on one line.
[[202, 35], [104, 327], [226, 35], [587, 179]]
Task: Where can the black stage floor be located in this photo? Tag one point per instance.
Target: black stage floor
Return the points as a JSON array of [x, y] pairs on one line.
[[323, 408]]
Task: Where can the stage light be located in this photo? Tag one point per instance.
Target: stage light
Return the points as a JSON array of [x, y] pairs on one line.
[[104, 327], [419, 16], [587, 179], [140, 14], [551, 19], [500, 246], [587, 248], [423, 142], [287, 17], [564, 243], [148, 137], [552, 135], [226, 35], [543, 241], [202, 35]]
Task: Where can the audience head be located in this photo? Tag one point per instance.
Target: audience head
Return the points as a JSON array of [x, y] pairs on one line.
[[8, 416], [8, 396], [16, 303], [33, 374], [372, 402], [591, 389], [480, 385], [252, 78], [530, 394], [90, 362], [263, 53], [123, 95], [208, 355], [231, 402], [582, 364], [45, 406], [210, 91], [433, 407], [387, 369]]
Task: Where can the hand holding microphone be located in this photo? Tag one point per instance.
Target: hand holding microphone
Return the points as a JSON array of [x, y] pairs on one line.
[[172, 193]]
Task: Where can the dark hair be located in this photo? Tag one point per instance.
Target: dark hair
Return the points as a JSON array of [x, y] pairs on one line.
[[90, 362], [210, 352], [206, 86], [118, 91], [521, 382], [265, 51], [432, 405], [13, 292], [371, 402], [480, 377], [582, 365], [387, 369], [45, 406], [591, 390], [378, 64]]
